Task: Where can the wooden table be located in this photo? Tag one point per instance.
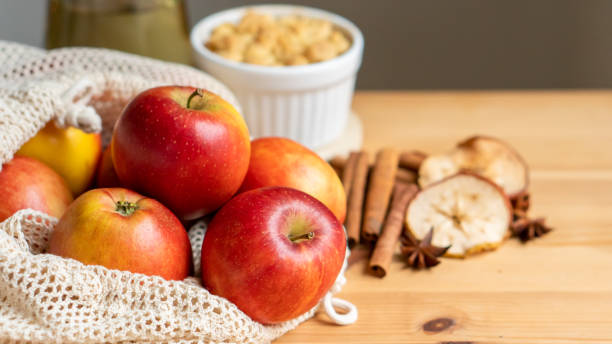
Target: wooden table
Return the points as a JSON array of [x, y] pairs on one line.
[[556, 289]]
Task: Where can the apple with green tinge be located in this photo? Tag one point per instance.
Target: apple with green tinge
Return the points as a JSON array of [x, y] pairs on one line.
[[186, 147], [274, 252], [277, 161], [120, 229], [26, 183]]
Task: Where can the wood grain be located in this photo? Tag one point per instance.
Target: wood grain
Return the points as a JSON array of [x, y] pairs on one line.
[[557, 289]]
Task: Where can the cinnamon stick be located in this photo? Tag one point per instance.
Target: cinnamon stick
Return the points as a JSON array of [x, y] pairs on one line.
[[412, 160], [405, 176], [355, 199], [387, 243], [379, 192], [337, 163], [348, 173]]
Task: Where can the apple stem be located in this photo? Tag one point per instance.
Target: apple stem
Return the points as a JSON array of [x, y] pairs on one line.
[[197, 92], [126, 208], [305, 236]]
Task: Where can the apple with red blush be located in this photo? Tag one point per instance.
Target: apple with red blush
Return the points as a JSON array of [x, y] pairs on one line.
[[274, 252], [27, 183], [121, 229], [186, 147], [277, 161]]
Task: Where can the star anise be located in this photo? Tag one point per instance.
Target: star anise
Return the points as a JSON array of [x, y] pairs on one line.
[[521, 201], [520, 205], [527, 229], [421, 253]]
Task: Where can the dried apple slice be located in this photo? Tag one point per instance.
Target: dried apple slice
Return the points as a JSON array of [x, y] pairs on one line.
[[467, 211], [487, 156]]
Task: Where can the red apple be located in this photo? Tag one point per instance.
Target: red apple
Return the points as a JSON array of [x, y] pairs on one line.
[[187, 148], [274, 252], [28, 183], [277, 161], [120, 229], [106, 177]]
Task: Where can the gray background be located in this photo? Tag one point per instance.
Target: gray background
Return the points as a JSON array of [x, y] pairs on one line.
[[439, 44]]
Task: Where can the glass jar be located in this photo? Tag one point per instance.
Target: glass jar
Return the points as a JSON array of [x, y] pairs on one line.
[[154, 28]]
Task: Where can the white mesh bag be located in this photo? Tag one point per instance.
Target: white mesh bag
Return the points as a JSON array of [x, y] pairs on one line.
[[49, 299]]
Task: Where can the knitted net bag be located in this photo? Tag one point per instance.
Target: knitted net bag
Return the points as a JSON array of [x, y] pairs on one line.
[[49, 299]]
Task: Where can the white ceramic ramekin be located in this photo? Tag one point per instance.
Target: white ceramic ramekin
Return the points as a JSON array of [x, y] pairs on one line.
[[308, 103]]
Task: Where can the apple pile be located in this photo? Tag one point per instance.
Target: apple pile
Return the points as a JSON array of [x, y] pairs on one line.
[[274, 244]]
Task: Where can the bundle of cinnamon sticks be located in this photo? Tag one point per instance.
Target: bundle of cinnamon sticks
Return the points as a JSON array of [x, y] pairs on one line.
[[377, 197]]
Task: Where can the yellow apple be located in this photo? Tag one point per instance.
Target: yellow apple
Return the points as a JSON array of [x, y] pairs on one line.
[[71, 152]]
